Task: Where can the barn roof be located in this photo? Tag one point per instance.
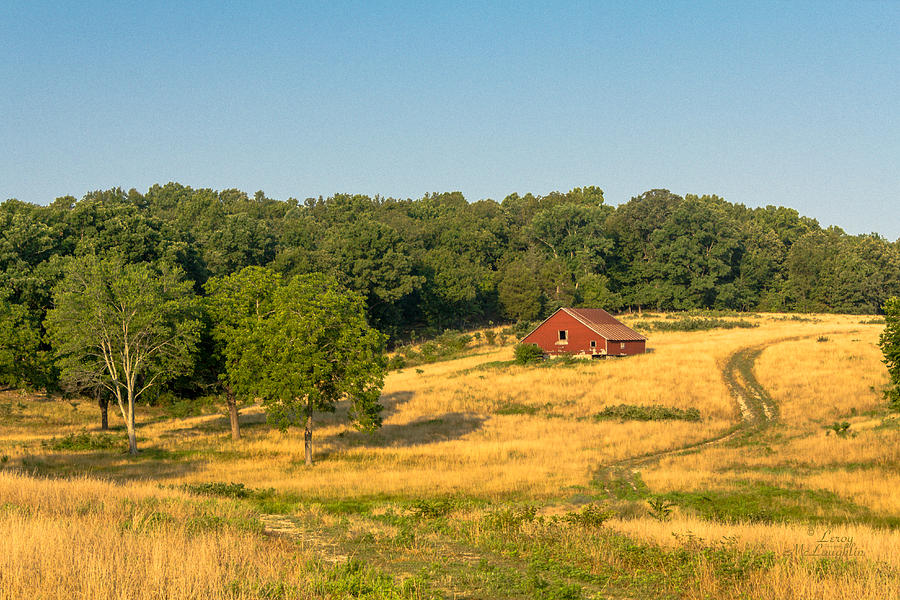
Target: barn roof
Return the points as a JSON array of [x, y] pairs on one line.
[[605, 324], [600, 322]]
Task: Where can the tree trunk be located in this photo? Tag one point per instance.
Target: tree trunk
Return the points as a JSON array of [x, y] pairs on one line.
[[104, 412], [103, 403], [307, 436], [233, 414]]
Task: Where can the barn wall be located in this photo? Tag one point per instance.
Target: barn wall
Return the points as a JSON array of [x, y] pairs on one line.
[[633, 347], [579, 339]]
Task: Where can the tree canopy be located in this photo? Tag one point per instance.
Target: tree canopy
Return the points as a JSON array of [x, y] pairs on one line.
[[437, 262]]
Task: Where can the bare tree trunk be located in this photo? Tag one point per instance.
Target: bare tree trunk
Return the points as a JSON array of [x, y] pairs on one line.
[[307, 436], [233, 413]]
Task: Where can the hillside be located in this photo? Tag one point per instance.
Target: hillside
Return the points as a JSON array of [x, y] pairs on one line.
[[490, 480]]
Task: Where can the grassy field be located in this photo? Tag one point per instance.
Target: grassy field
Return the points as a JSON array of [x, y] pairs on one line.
[[591, 479]]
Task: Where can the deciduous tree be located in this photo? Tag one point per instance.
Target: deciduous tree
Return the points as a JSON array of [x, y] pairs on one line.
[[314, 350], [123, 327], [238, 305], [890, 346]]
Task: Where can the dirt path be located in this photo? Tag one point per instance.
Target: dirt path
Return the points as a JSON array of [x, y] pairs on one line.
[[757, 408], [756, 405]]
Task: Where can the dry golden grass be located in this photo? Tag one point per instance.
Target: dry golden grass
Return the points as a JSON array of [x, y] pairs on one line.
[[85, 538], [444, 435]]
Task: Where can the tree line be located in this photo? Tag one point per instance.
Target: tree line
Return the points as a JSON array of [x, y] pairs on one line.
[[422, 266]]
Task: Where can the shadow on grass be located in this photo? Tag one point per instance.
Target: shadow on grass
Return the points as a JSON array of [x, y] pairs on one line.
[[443, 428], [150, 463], [249, 421]]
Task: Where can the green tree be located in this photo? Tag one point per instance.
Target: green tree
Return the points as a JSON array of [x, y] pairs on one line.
[[371, 258], [237, 305], [697, 250], [519, 290], [21, 360], [124, 327], [315, 349], [890, 346]]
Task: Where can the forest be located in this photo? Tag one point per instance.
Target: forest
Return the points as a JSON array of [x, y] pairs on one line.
[[441, 262]]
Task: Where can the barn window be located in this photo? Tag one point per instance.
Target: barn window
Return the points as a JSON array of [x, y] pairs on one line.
[[622, 345], [593, 343], [563, 333]]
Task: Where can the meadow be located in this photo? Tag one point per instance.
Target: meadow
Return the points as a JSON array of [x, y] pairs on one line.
[[566, 479]]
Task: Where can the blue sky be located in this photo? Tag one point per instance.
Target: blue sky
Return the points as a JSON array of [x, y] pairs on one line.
[[796, 104]]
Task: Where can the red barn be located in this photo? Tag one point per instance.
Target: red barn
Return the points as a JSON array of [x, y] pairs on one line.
[[586, 332]]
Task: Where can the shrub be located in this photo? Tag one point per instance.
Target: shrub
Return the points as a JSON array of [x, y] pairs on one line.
[[446, 346], [840, 429], [629, 412], [693, 324], [217, 488], [397, 361], [85, 441], [591, 516], [528, 353], [660, 508], [490, 336]]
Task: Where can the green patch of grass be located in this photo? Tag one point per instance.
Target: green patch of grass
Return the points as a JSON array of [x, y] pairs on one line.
[[517, 408], [357, 580], [621, 484], [764, 503], [656, 412], [438, 507]]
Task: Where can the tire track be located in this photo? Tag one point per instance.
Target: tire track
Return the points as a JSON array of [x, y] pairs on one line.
[[757, 408]]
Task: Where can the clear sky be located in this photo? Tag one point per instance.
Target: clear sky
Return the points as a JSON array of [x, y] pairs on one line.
[[785, 103]]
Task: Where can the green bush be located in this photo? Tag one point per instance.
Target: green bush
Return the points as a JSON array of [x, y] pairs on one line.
[[395, 362], [528, 353], [85, 441], [873, 321], [660, 508], [840, 429], [591, 516], [217, 488], [692, 324], [656, 412], [446, 346]]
